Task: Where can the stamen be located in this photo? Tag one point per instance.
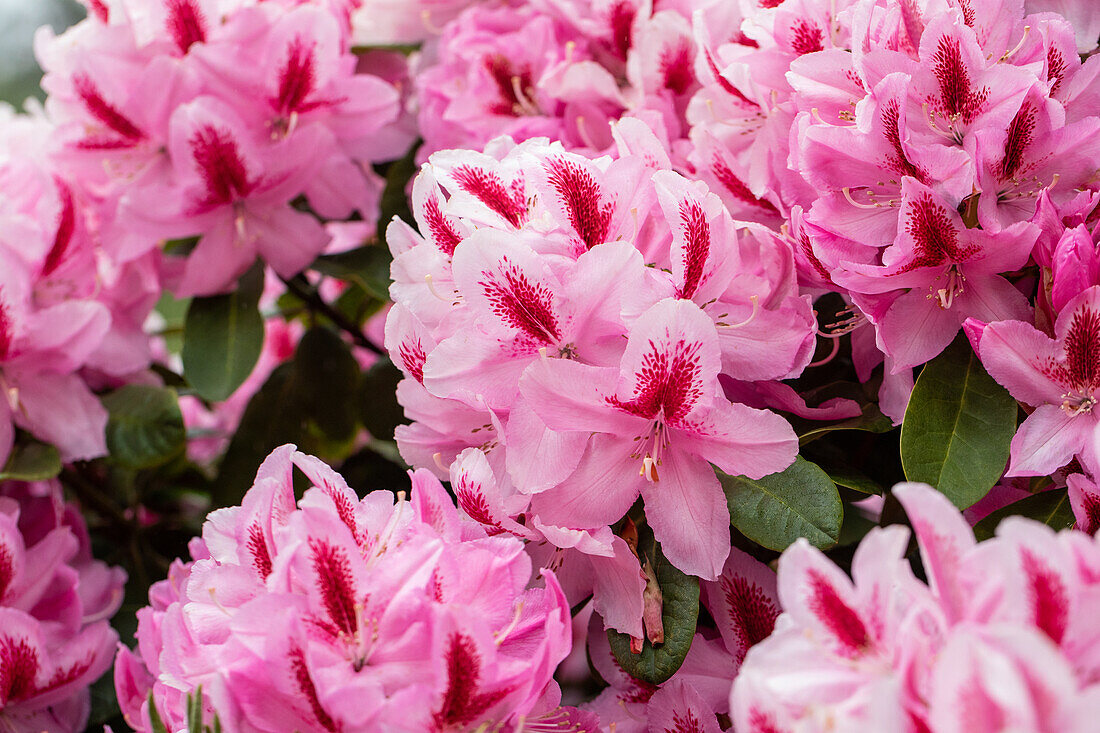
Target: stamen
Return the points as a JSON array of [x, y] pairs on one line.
[[524, 103], [752, 316], [500, 636], [1074, 405], [1023, 38], [438, 458], [214, 597], [242, 235], [107, 611], [830, 357], [848, 195], [582, 130], [431, 288], [649, 469], [955, 287]]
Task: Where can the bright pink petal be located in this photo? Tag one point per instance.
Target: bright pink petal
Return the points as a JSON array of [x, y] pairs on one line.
[[687, 510]]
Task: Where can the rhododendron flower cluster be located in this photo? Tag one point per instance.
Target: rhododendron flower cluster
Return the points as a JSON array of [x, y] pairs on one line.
[[640, 291], [211, 120], [335, 613], [560, 69], [1001, 637], [55, 603], [529, 326], [70, 318], [909, 148]]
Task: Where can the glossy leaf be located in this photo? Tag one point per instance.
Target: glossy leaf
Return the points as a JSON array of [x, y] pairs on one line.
[[325, 379], [1052, 508], [958, 426], [32, 461], [222, 338], [377, 400], [776, 510], [368, 267], [680, 614], [145, 427], [870, 420]]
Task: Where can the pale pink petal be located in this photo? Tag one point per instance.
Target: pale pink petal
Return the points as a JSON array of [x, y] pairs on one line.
[[687, 510]]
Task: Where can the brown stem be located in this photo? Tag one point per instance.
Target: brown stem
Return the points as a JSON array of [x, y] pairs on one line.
[[309, 295]]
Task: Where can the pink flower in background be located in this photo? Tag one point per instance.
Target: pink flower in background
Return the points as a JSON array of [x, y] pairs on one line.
[[1059, 377], [55, 602]]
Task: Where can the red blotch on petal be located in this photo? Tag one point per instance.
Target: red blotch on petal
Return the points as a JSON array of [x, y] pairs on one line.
[[751, 612], [336, 585], [524, 306], [463, 702], [581, 194], [490, 190], [842, 622], [1049, 599], [185, 23], [220, 165], [668, 385]]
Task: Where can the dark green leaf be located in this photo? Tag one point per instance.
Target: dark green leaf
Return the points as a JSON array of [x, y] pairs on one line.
[[32, 461], [273, 417], [679, 615], [870, 420], [378, 408], [154, 716], [325, 379], [309, 401], [855, 527], [855, 481], [222, 338], [194, 711], [368, 267], [958, 426], [144, 427], [1052, 508], [774, 511]]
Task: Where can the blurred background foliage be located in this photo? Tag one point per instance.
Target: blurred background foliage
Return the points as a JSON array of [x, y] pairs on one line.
[[19, 73]]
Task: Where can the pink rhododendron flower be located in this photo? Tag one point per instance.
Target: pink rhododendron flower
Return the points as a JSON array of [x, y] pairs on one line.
[[211, 119], [70, 319], [337, 613], [55, 602], [1055, 376], [531, 329], [999, 637]]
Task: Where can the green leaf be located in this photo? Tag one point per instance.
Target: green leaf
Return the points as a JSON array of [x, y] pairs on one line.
[[679, 615], [144, 427], [377, 399], [325, 379], [870, 420], [222, 338], [1052, 508], [856, 481], [32, 461], [776, 510], [273, 417], [368, 267], [194, 711], [958, 426], [309, 400], [154, 716]]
